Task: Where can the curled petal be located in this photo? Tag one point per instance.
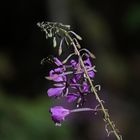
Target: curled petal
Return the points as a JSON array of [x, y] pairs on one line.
[[55, 91]]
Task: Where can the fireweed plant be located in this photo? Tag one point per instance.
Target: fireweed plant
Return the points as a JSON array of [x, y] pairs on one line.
[[73, 77]]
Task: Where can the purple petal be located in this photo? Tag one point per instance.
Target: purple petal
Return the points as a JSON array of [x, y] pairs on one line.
[[85, 87], [58, 114], [88, 62], [55, 77], [59, 70], [73, 63], [55, 91], [91, 74], [73, 80], [58, 62], [77, 77], [71, 97]]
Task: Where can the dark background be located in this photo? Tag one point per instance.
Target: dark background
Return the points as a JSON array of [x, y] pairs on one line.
[[110, 29]]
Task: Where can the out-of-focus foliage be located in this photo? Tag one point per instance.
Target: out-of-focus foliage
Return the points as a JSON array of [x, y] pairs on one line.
[[132, 17], [21, 119]]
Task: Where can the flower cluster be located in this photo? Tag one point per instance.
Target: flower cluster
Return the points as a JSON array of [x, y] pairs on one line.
[[73, 78], [71, 83]]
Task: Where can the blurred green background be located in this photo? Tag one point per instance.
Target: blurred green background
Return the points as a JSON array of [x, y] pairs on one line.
[[110, 29]]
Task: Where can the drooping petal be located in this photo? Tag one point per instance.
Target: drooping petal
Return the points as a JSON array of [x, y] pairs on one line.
[[55, 91], [58, 114]]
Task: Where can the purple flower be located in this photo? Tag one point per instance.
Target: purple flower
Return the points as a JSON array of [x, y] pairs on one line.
[[58, 114], [73, 87]]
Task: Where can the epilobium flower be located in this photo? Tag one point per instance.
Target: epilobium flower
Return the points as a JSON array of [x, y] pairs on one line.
[[73, 78], [58, 114], [57, 76]]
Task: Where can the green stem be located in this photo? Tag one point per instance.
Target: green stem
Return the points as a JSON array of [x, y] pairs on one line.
[[106, 115]]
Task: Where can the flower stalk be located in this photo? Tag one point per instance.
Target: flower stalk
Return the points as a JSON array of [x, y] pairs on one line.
[[105, 112]]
